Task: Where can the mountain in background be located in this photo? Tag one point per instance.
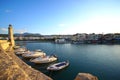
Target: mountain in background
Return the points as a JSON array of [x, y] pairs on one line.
[[28, 34]]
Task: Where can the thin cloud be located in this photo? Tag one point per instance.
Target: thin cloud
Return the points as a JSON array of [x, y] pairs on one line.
[[4, 29], [21, 31]]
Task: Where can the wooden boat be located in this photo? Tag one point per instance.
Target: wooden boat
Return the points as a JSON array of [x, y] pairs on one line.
[[58, 66], [45, 59]]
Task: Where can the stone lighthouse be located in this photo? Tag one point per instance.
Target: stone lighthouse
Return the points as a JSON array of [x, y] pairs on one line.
[[11, 37]]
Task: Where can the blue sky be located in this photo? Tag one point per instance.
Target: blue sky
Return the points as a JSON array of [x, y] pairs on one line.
[[49, 17]]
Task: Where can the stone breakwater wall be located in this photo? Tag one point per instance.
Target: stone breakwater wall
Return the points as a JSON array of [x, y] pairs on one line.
[[13, 68], [4, 44]]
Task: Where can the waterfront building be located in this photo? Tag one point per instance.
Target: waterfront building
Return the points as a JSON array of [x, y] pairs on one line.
[[79, 37], [48, 37], [3, 38], [93, 38], [108, 36], [60, 41], [116, 36]]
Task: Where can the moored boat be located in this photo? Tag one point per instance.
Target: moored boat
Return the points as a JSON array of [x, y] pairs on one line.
[[27, 51], [58, 66], [34, 54], [22, 52], [21, 49], [45, 59], [16, 47], [38, 50]]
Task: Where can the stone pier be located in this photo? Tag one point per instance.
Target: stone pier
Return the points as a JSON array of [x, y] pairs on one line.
[[12, 67]]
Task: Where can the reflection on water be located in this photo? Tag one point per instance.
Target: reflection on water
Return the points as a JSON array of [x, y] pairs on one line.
[[100, 60]]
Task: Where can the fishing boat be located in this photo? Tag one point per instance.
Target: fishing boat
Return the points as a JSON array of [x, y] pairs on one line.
[[34, 54], [58, 66], [45, 59]]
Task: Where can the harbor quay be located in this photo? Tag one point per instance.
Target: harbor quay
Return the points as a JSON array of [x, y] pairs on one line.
[[13, 68]]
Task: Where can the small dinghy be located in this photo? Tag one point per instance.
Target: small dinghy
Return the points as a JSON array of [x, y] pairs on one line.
[[45, 59], [58, 66], [34, 54]]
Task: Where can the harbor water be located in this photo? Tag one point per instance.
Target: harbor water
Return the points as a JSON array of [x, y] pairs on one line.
[[102, 61]]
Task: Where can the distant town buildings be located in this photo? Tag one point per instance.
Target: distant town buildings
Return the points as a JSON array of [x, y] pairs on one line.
[[79, 38], [60, 40]]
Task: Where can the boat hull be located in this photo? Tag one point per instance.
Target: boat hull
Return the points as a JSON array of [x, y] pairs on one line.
[[57, 66], [33, 55], [44, 60]]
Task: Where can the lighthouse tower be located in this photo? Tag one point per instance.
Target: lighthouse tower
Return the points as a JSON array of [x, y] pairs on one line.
[[11, 37]]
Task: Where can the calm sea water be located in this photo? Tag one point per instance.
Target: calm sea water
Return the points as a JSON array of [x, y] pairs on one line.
[[102, 61]]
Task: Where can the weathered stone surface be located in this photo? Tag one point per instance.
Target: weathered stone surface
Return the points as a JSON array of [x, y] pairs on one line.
[[85, 76], [4, 44], [13, 68]]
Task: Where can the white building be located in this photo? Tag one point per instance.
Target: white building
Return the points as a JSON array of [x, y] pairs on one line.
[[93, 36], [79, 37], [60, 40]]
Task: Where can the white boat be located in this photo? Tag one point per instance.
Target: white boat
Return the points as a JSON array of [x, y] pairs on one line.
[[22, 49], [45, 59], [27, 51], [34, 54], [22, 52], [38, 50], [58, 66], [16, 47]]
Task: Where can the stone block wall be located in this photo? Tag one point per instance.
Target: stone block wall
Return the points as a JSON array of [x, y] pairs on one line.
[[4, 44]]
